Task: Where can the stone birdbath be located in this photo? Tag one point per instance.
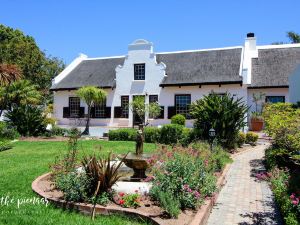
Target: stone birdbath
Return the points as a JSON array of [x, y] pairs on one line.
[[138, 160]]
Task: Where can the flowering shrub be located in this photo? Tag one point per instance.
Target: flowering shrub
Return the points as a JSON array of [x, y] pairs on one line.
[[263, 176], [129, 200], [288, 204], [187, 174]]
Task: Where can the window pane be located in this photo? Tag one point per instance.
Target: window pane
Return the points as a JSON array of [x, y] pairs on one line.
[[182, 105], [275, 99], [153, 98], [125, 106], [100, 109], [74, 105], [139, 71]]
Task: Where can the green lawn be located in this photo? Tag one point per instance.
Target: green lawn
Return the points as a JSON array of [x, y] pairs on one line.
[[26, 161]]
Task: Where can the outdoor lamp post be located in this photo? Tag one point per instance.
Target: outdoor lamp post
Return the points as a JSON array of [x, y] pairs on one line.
[[212, 134]]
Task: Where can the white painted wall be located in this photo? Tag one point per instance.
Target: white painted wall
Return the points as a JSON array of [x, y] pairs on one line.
[[268, 92], [141, 51], [294, 86]]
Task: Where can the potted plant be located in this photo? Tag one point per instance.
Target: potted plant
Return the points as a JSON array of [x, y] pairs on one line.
[[257, 122]]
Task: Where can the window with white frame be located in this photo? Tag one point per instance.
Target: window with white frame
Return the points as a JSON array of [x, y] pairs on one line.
[[139, 71]]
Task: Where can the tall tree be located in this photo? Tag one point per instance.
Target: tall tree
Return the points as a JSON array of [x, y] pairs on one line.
[[293, 36], [21, 50], [9, 74], [92, 96]]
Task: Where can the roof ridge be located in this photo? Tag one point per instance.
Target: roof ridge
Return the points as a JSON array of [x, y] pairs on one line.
[[296, 45], [201, 50], [108, 57]]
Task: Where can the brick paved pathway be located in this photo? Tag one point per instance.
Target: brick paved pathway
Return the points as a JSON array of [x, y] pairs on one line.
[[244, 200]]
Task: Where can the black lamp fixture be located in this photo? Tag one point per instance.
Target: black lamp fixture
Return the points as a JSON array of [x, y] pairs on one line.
[[212, 134]]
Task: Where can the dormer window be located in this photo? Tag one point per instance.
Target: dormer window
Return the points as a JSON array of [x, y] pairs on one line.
[[139, 71]]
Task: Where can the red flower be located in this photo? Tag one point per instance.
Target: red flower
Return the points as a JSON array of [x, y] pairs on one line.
[[121, 194], [121, 202], [136, 191]]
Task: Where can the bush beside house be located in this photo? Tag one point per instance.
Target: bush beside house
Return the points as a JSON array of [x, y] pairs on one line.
[[282, 121]]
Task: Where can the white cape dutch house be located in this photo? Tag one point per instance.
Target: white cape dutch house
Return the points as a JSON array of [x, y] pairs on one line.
[[173, 79]]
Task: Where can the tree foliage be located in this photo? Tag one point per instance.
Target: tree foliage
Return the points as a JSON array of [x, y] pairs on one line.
[[294, 37], [142, 109], [9, 74], [21, 50], [92, 96]]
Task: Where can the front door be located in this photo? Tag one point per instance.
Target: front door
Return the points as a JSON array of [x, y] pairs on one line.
[[136, 118]]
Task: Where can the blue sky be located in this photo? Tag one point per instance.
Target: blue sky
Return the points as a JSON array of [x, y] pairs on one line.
[[104, 28]]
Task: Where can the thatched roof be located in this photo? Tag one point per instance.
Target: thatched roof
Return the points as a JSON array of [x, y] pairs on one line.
[[202, 67], [273, 66], [96, 72]]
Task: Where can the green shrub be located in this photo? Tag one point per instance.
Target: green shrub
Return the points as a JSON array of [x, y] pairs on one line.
[[58, 131], [28, 120], [8, 132], [186, 136], [241, 139], [152, 134], [178, 119], [167, 202], [74, 186], [282, 122], [5, 145], [104, 198], [123, 134], [251, 138], [226, 114], [171, 134]]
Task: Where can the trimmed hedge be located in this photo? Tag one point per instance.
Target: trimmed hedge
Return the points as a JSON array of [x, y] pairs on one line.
[[168, 134], [123, 134]]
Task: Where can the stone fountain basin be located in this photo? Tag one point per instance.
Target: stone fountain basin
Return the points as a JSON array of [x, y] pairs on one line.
[[137, 161]]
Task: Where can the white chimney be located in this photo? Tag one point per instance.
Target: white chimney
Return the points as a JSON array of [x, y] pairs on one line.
[[250, 52]]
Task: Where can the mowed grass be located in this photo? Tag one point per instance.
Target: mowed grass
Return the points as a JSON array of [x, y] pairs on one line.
[[28, 160]]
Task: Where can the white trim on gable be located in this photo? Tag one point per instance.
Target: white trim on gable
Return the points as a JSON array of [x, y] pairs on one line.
[[69, 68]]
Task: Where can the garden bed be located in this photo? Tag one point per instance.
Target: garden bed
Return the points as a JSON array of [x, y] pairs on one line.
[[44, 187]]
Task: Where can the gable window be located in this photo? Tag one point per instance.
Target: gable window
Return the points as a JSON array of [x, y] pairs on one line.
[[100, 109], [275, 99], [74, 107], [125, 106], [139, 71], [182, 105]]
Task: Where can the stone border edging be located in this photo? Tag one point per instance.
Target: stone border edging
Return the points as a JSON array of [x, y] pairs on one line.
[[200, 218], [86, 208]]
